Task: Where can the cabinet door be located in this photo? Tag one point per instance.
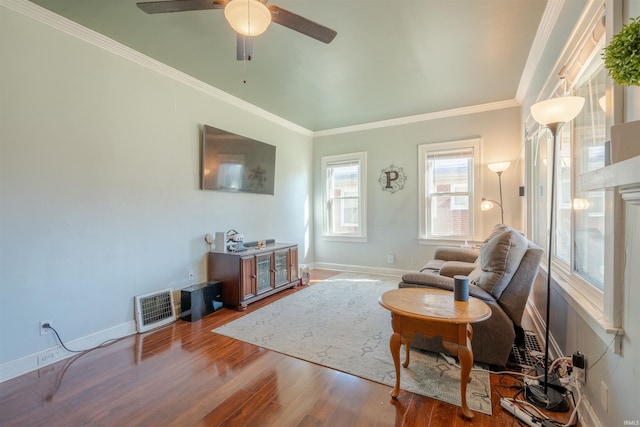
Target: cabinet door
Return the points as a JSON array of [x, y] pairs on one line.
[[263, 272], [293, 261], [281, 267], [247, 278]]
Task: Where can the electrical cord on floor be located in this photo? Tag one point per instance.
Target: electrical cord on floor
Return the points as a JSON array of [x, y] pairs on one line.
[[101, 345], [573, 389], [78, 354], [573, 384]]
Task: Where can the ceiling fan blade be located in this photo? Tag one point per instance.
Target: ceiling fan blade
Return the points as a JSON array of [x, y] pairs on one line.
[[302, 25], [180, 5], [244, 47]]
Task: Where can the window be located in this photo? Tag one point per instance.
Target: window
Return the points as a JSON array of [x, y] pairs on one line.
[[448, 173], [589, 207], [579, 228], [344, 196], [588, 247]]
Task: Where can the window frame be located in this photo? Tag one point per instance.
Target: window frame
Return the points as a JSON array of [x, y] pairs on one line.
[[327, 162], [596, 307], [565, 270], [424, 236]]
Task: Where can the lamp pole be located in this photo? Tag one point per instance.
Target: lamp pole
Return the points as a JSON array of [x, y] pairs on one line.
[[500, 185], [498, 168], [553, 127], [551, 113], [543, 396]]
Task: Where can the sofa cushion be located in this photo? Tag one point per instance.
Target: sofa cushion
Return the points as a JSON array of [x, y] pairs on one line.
[[433, 266], [422, 280], [453, 253], [457, 268], [499, 259]]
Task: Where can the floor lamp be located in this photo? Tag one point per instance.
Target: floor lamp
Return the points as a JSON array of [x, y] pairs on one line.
[[487, 203], [551, 113]]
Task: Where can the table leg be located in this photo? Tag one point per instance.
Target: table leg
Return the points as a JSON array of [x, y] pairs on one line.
[[394, 345], [465, 354], [407, 352]]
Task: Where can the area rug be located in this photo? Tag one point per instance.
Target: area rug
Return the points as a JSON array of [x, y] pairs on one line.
[[339, 324]]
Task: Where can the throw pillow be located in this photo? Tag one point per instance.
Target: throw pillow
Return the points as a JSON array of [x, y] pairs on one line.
[[499, 259]]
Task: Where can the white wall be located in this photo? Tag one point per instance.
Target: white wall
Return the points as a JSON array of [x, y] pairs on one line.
[[392, 218], [99, 184]]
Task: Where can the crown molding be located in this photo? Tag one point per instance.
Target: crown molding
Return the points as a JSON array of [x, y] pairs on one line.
[[76, 30], [589, 17], [547, 23], [481, 108]]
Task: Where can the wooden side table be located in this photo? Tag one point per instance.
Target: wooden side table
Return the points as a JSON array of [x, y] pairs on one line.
[[434, 312]]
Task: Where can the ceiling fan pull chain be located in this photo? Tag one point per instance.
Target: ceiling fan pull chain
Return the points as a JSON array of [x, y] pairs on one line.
[[244, 72], [244, 44]]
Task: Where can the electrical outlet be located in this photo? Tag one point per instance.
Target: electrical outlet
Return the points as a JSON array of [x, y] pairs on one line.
[[579, 367], [43, 330], [191, 275], [391, 259]]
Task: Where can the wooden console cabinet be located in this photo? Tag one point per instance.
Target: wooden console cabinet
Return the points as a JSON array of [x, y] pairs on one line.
[[253, 274]]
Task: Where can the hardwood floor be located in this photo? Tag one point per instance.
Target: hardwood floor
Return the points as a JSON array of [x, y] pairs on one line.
[[184, 375]]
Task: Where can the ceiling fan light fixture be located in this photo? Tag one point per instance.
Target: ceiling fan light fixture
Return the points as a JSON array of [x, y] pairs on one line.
[[247, 17]]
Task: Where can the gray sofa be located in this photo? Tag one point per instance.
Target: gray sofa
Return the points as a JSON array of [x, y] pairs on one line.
[[501, 273]]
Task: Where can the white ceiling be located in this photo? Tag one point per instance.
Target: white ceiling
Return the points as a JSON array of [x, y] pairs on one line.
[[390, 59]]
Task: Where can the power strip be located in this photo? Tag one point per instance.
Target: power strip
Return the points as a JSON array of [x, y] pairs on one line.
[[514, 410]]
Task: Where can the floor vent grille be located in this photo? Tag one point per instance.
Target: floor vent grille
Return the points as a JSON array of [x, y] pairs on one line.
[[522, 358], [154, 310]]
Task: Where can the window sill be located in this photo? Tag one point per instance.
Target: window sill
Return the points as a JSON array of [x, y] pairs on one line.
[[350, 239], [446, 242], [626, 172], [591, 312]]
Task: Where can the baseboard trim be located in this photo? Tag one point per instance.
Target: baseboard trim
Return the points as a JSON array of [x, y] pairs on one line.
[[46, 357], [587, 414], [539, 329], [360, 269]]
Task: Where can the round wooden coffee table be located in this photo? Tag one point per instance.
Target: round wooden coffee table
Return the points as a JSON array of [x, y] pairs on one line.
[[434, 312]]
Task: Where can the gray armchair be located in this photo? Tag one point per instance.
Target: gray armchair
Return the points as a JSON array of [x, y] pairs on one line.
[[502, 276]]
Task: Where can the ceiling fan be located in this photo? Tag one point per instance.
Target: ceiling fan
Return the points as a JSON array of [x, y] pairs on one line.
[[248, 18]]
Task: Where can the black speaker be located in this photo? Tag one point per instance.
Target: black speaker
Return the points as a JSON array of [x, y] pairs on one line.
[[199, 300]]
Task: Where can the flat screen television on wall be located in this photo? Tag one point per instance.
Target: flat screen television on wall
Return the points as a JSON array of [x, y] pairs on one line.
[[236, 164]]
